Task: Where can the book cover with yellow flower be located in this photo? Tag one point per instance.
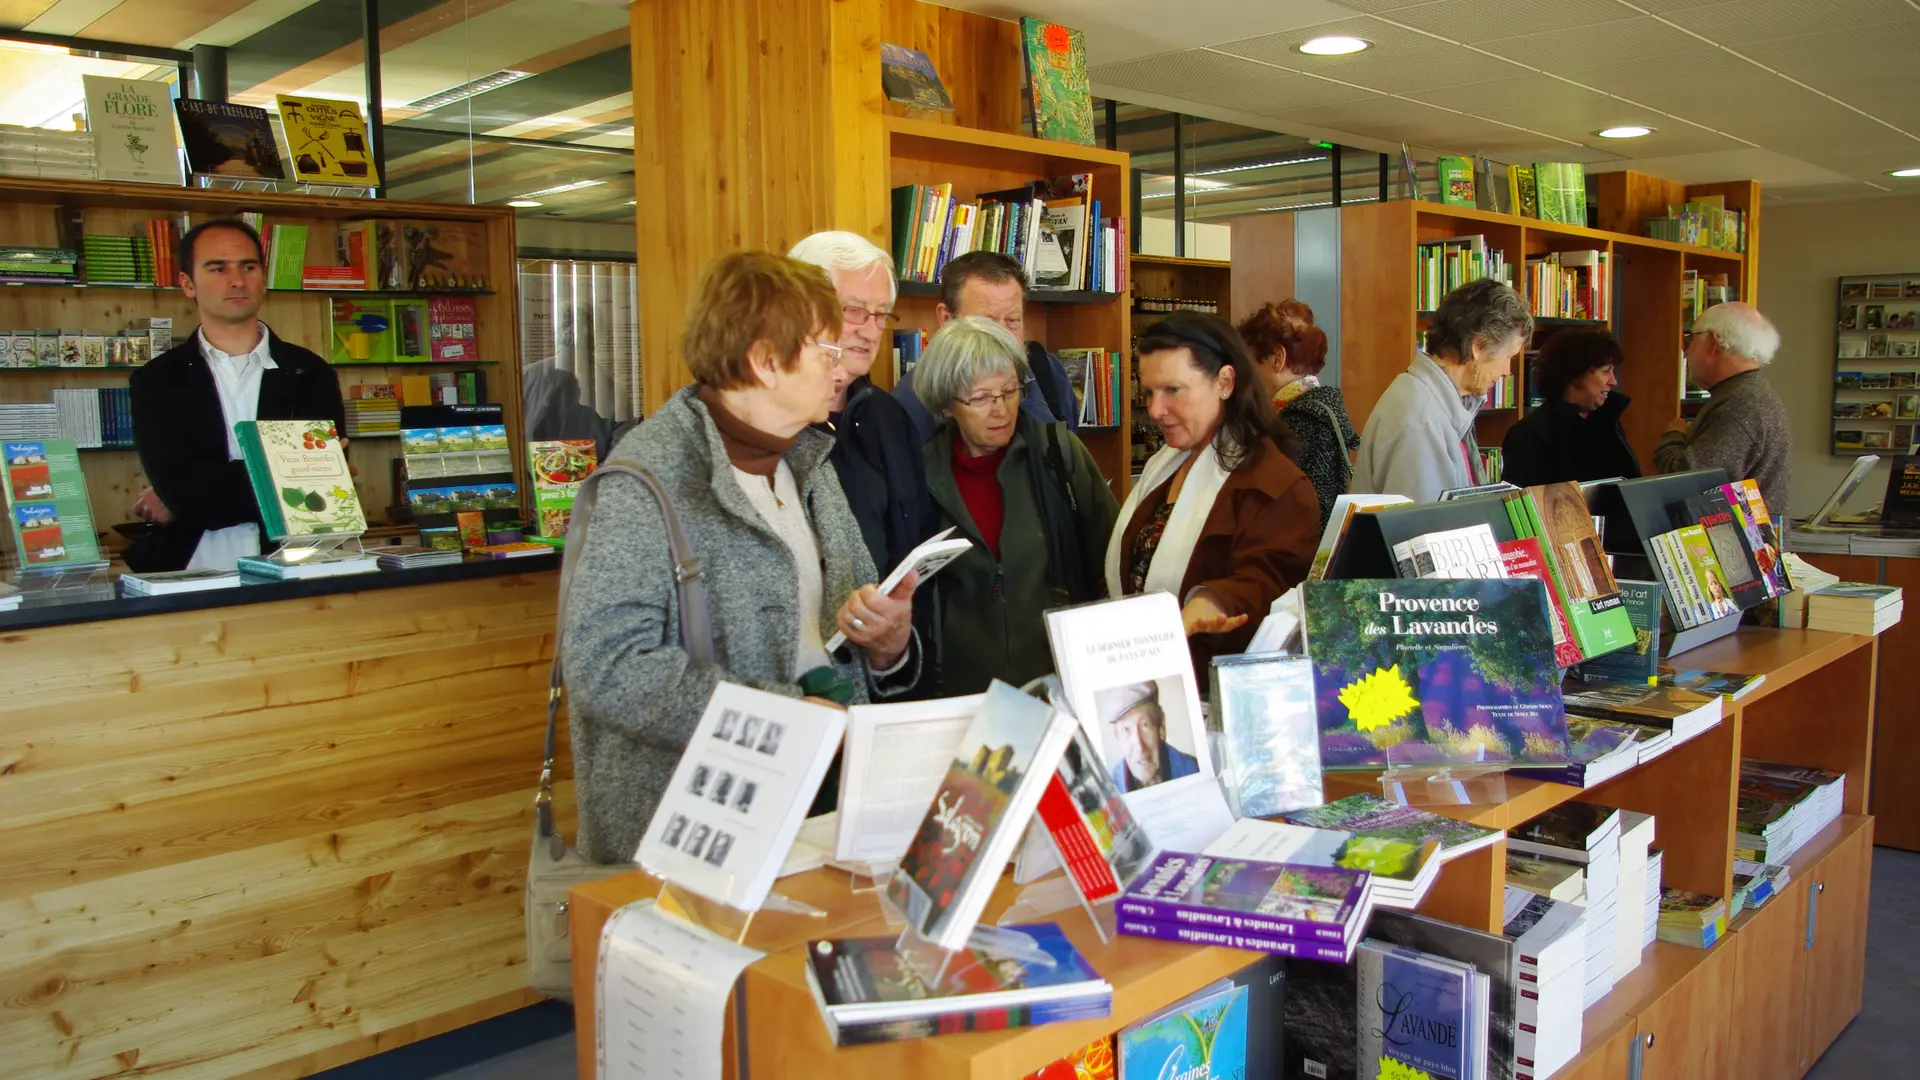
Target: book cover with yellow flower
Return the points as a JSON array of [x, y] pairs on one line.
[[1434, 672]]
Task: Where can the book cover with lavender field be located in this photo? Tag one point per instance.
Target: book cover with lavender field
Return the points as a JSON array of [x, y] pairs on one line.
[[1434, 673], [1242, 894]]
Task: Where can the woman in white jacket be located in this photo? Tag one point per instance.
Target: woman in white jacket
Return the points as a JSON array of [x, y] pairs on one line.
[[1419, 438]]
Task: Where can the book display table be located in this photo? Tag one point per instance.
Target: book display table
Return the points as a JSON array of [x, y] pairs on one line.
[[1765, 1001]]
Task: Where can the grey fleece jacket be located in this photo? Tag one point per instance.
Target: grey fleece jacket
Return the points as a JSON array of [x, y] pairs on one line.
[[1412, 444], [633, 693], [1743, 429]]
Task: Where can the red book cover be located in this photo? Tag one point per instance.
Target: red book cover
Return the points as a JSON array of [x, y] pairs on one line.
[[1522, 559], [1075, 844], [452, 322]]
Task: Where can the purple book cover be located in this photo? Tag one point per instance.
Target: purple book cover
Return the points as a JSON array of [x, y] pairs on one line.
[[1227, 939], [1314, 902]]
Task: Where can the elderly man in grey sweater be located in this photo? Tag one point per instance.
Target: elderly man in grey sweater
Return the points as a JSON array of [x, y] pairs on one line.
[[1743, 427]]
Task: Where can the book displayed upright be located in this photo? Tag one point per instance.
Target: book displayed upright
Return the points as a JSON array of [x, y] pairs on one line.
[[908, 77], [1434, 673], [327, 141], [1490, 955], [1204, 1035], [1558, 516], [1264, 706], [48, 516], [895, 758], [1419, 1015], [1058, 92], [1129, 679], [228, 140], [131, 121], [993, 784], [736, 800], [558, 468], [1101, 842], [300, 478]]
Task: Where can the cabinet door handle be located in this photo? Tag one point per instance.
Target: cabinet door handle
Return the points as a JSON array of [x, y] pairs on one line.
[[1636, 1056], [1649, 1040], [1813, 913]]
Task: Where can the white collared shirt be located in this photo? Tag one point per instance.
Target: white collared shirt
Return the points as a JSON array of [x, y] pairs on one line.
[[236, 378]]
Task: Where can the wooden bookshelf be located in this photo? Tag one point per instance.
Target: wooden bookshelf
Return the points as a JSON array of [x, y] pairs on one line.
[[30, 210], [1174, 278], [1381, 323], [1693, 1012]]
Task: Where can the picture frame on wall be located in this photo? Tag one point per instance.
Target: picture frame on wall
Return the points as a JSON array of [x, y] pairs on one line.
[[1876, 345]]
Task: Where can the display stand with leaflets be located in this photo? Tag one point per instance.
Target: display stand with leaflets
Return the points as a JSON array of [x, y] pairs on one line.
[[50, 551], [1636, 511]]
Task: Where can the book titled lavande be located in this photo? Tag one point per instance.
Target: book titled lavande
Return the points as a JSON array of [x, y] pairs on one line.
[[1434, 672], [1314, 912], [1006, 759]]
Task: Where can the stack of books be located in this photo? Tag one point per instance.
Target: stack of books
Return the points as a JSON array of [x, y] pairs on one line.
[[411, 556], [1445, 265], [101, 417], [1679, 714], [1587, 834], [1852, 607], [172, 582], [263, 568], [1781, 807], [1691, 919], [1601, 750], [1755, 883], [32, 151], [1702, 223], [1552, 878], [117, 260], [33, 420], [372, 409], [1550, 962], [27, 264], [870, 991], [1656, 860], [1303, 910]]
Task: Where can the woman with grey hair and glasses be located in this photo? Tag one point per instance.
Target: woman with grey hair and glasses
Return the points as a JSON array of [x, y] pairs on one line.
[[1419, 438], [1026, 493]]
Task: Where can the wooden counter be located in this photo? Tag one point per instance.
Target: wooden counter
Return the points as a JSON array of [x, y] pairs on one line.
[[1816, 708], [267, 839]]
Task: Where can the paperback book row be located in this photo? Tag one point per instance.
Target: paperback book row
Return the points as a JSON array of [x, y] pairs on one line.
[[1445, 265], [1721, 555], [439, 329], [86, 348], [1054, 228], [1570, 285], [1702, 222], [1504, 394], [1094, 375], [1546, 191]]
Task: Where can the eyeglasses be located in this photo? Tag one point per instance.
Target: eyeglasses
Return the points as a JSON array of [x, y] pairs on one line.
[[983, 402], [835, 354], [855, 315]]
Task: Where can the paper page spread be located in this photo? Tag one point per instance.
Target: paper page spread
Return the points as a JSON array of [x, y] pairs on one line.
[[896, 756], [661, 1001], [748, 775]]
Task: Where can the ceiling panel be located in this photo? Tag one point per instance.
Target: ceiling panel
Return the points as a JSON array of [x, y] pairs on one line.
[[1400, 60], [1633, 78], [1739, 22], [1819, 192], [1570, 52], [1281, 91], [1475, 21], [1865, 51], [1179, 72]]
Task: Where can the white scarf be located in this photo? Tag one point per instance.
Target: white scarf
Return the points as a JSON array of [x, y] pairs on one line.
[[1169, 566]]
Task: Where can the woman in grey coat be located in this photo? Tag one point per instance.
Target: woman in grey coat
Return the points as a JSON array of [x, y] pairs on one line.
[[1419, 438], [778, 547]]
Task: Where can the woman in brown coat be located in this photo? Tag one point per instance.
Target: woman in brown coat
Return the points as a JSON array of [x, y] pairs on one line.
[[1221, 516]]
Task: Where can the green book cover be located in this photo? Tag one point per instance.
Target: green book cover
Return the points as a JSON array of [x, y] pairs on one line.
[[47, 511], [1057, 87], [1595, 609], [288, 257], [1528, 189], [1546, 188], [300, 478], [559, 467], [1456, 181]]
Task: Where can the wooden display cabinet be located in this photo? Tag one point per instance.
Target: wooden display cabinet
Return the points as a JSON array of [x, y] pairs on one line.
[[975, 162], [31, 212]]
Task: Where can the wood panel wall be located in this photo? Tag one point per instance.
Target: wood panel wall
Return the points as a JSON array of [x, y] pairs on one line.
[[758, 155], [269, 839]]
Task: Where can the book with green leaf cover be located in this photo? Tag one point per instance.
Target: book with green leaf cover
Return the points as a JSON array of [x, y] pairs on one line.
[[1062, 100], [300, 478]]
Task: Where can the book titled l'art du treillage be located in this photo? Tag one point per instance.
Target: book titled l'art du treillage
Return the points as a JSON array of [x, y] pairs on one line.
[[1434, 673]]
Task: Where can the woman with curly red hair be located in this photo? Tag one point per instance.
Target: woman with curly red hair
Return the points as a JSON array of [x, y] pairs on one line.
[[1289, 352]]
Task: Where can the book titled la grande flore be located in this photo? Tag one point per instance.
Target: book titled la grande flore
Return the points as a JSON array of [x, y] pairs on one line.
[[131, 121]]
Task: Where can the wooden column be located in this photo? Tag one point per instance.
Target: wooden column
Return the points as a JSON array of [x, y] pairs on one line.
[[756, 122]]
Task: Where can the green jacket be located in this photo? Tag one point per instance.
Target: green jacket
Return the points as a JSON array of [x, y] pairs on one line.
[[988, 616]]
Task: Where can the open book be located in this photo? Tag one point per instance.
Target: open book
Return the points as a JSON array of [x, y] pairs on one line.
[[933, 553]]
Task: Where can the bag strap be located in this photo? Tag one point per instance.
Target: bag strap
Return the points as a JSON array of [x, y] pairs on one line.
[[1340, 440], [690, 587]]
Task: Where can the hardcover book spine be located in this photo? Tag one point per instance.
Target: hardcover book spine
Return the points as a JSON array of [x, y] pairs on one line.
[[1209, 920], [1196, 935]]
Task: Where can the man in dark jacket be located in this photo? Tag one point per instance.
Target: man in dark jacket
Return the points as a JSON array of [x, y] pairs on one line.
[[187, 400], [1574, 433], [991, 284]]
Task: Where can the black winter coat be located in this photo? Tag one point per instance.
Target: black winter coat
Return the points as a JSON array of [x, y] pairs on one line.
[[1553, 443]]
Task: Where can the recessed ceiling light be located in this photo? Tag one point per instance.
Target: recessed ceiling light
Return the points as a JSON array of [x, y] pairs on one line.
[[1904, 173], [1334, 45], [1624, 131], [522, 204]]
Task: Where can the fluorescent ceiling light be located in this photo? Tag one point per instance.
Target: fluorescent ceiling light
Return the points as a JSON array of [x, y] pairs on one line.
[[1301, 206], [1905, 173], [523, 204], [1334, 45], [468, 89], [1259, 165], [559, 188], [1624, 131]]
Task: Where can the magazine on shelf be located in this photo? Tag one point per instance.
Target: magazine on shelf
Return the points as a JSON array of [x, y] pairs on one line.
[[1685, 713], [737, 798], [1434, 673], [994, 781], [895, 757], [1129, 680]]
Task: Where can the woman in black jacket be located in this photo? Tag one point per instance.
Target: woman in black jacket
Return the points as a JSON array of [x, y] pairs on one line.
[[1575, 434], [1289, 352]]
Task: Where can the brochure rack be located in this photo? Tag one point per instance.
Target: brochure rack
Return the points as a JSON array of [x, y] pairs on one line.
[[1636, 511]]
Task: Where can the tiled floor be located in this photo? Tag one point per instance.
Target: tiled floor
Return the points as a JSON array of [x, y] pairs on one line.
[[1883, 1042]]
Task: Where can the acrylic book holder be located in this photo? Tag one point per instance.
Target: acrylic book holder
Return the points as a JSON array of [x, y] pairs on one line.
[[1430, 783], [313, 547]]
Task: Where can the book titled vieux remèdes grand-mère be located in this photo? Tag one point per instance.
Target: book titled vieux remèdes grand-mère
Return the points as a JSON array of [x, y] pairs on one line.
[[1434, 672]]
